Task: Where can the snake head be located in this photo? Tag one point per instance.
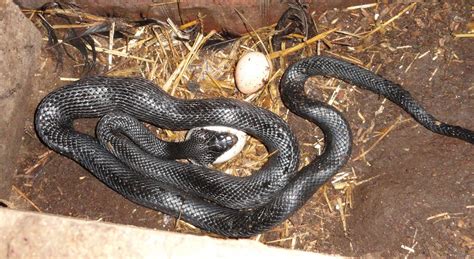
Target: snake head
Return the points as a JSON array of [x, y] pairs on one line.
[[205, 146]]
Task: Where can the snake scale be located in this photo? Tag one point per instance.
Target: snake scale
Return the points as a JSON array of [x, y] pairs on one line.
[[227, 205]]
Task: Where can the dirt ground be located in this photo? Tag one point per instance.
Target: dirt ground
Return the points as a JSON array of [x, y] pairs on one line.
[[413, 189]]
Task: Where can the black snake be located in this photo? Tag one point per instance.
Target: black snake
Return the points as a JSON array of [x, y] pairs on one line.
[[226, 205]]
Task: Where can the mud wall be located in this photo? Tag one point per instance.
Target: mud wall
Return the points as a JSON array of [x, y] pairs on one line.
[[19, 51], [217, 14]]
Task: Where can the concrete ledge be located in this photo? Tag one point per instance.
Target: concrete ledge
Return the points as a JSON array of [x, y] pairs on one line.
[[35, 235]]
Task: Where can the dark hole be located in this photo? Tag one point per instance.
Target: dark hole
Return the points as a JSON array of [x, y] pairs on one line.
[[3, 204], [86, 126]]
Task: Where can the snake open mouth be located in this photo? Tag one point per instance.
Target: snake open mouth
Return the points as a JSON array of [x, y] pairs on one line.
[[237, 145]]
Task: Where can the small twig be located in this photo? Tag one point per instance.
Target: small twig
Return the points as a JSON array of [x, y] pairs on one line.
[[297, 47], [111, 44], [381, 26], [23, 195], [343, 216], [121, 54], [43, 159], [363, 6], [349, 58], [367, 180], [443, 216], [190, 24], [71, 26], [69, 79], [175, 78], [325, 194], [385, 133], [463, 35], [286, 238], [72, 13], [411, 63]]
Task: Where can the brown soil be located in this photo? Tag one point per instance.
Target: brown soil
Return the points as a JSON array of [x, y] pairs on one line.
[[419, 188]]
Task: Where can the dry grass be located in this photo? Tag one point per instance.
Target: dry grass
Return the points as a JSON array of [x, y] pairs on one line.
[[184, 70]]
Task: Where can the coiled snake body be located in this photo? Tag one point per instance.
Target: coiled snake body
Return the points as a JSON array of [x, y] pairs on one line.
[[223, 204]]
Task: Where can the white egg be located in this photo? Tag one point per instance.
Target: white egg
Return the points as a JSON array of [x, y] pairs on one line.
[[252, 72]]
